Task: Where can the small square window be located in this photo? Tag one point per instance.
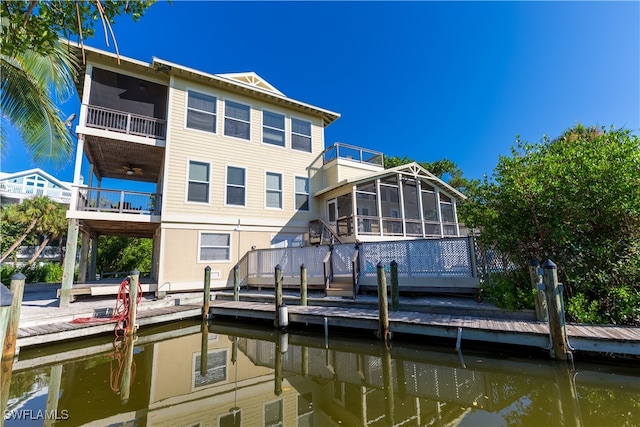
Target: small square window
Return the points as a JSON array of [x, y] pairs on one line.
[[214, 247]]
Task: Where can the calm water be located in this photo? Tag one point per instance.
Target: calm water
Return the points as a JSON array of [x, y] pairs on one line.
[[230, 375]]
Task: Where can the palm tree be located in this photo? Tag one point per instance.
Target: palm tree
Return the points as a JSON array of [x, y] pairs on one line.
[[28, 213], [52, 225], [27, 81]]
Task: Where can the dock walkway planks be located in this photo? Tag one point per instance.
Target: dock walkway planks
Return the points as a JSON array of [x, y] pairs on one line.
[[604, 339], [59, 331]]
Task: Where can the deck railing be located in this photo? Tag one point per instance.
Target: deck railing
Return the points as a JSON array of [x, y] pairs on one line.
[[356, 154], [123, 122], [21, 191], [119, 201]]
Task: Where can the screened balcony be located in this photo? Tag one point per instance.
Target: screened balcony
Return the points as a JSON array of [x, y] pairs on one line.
[[126, 104]]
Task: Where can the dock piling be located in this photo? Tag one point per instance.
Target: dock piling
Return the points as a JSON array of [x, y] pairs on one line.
[[383, 307], [132, 326], [236, 284], [17, 289], [303, 285], [395, 287], [278, 288], [560, 349], [207, 292], [536, 278]]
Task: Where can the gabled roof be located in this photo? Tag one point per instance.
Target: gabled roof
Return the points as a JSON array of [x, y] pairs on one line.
[[37, 171], [413, 170], [252, 79]]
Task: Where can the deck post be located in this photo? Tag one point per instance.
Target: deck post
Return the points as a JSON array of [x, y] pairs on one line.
[[69, 263], [560, 348], [541, 304], [207, 292], [383, 308], [133, 303], [17, 289], [395, 287], [303, 285], [278, 286], [236, 284]]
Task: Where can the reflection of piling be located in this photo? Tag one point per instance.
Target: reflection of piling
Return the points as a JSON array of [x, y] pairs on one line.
[[133, 303], [125, 388], [277, 384], [395, 287], [387, 380], [204, 348], [17, 289], [303, 285], [207, 292], [553, 290], [53, 394], [568, 404], [383, 308], [304, 361]]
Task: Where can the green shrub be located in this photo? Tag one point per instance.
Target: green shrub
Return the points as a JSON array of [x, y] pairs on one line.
[[510, 290]]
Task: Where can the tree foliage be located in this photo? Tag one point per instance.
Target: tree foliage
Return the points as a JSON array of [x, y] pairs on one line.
[[574, 200], [124, 253], [35, 25]]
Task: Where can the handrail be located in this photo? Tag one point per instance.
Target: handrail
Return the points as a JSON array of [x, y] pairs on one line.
[[330, 230], [125, 122], [327, 269], [355, 270]]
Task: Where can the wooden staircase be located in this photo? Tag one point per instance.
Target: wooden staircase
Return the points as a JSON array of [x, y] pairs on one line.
[[340, 286]]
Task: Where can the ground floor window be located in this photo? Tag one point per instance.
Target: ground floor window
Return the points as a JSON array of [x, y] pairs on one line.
[[214, 247]]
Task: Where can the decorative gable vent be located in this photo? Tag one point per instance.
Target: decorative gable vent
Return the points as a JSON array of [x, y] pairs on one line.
[[252, 79]]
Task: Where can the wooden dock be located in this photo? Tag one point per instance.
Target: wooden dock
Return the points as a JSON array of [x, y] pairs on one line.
[[65, 330], [585, 338]]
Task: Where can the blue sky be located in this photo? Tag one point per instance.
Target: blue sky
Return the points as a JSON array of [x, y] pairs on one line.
[[427, 80]]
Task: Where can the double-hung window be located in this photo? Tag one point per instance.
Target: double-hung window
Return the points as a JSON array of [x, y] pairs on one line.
[[201, 112], [272, 128], [273, 193], [300, 135], [214, 247], [302, 193], [237, 120], [198, 182], [236, 186]]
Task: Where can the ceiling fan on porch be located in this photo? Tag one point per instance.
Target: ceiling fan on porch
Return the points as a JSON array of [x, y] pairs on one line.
[[130, 170]]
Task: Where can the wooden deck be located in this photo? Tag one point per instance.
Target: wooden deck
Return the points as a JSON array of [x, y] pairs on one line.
[[60, 331], [587, 338]]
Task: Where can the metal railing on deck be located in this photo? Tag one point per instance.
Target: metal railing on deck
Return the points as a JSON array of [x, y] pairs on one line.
[[10, 189], [123, 122], [119, 201], [356, 154]]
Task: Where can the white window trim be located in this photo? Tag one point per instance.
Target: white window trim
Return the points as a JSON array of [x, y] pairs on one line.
[[187, 180], [262, 126], [295, 193], [266, 189], [226, 184], [291, 133], [186, 109], [221, 261], [224, 119]]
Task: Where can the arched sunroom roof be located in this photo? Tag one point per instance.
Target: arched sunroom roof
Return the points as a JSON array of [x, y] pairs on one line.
[[413, 170]]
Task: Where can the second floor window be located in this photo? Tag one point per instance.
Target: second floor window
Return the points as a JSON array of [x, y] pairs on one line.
[[198, 183], [302, 193], [201, 112], [274, 190], [273, 128], [237, 120], [300, 135], [236, 187]]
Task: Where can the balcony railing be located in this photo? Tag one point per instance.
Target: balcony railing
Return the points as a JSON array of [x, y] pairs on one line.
[[356, 154], [21, 191], [118, 201], [130, 124]]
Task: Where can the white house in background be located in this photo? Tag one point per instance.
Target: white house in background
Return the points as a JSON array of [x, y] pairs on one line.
[[17, 186]]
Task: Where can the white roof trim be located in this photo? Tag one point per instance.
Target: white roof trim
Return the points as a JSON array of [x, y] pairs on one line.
[[413, 169]]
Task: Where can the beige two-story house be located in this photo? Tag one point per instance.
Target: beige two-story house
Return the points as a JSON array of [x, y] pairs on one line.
[[233, 165]]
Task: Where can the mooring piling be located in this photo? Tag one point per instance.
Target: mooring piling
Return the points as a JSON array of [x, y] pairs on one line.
[[383, 307], [207, 292], [557, 331]]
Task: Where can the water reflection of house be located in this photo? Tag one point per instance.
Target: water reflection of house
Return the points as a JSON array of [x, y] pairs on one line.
[[235, 164]]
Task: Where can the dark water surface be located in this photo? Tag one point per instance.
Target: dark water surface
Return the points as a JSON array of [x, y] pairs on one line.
[[230, 374]]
